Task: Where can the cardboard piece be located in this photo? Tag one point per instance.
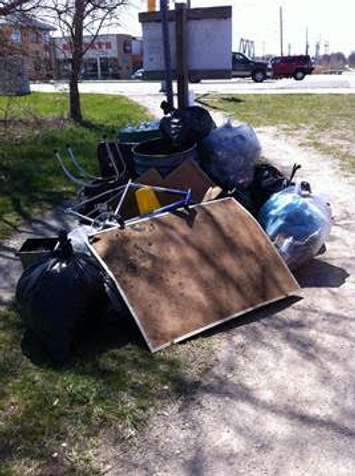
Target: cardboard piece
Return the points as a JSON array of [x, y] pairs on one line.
[[190, 176], [187, 176], [184, 272]]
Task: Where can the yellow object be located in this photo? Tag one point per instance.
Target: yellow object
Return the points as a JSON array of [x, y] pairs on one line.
[[147, 200], [152, 5]]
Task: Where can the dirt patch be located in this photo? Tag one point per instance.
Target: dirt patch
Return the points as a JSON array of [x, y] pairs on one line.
[[19, 130]]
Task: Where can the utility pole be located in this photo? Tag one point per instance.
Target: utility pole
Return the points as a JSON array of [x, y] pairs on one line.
[[317, 51], [281, 32], [307, 42], [289, 49]]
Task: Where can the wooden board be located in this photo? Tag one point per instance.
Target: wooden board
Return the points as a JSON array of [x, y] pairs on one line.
[[186, 272]]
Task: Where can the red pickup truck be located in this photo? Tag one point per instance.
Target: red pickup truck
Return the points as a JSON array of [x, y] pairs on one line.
[[291, 67]]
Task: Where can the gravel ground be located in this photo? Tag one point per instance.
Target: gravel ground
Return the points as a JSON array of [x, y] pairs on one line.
[[280, 400]]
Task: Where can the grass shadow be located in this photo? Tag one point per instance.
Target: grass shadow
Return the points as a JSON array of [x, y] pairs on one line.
[[113, 383]]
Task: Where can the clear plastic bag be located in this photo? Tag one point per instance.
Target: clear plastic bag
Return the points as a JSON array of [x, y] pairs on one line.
[[229, 155], [298, 222]]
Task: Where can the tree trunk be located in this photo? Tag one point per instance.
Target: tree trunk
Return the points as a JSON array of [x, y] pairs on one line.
[[74, 96], [77, 59]]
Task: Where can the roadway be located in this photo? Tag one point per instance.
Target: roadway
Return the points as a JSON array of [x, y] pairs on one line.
[[317, 84]]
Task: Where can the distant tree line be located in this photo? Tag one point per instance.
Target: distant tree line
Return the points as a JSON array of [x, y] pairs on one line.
[[337, 60], [352, 60]]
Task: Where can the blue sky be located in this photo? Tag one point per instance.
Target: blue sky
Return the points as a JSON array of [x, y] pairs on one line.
[[332, 21]]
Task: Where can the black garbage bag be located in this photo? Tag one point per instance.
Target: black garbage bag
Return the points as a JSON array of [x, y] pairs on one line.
[[245, 199], [58, 297], [187, 126], [267, 181]]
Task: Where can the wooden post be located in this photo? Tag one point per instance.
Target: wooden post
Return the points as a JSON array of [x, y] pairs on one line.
[[182, 72], [167, 53]]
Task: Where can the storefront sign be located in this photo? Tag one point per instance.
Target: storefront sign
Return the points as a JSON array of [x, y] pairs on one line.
[[105, 46]]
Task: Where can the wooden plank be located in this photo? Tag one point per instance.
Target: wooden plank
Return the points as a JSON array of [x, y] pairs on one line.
[[186, 272]]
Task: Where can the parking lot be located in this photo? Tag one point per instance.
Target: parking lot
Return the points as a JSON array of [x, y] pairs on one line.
[[317, 84]]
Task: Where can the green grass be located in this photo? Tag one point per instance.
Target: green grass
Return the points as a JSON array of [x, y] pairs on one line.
[[52, 420], [30, 179], [325, 122], [55, 418]]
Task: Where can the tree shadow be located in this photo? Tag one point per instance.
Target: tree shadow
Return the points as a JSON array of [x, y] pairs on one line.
[[265, 312], [96, 127], [203, 100], [233, 99]]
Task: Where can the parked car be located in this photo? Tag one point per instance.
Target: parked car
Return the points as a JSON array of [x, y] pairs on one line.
[[139, 74], [296, 67], [244, 67]]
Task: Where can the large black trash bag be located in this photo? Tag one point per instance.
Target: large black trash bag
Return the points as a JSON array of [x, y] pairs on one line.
[[186, 126], [57, 297], [268, 180]]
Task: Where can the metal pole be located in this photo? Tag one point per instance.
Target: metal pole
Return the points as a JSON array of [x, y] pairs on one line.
[[167, 53], [281, 32]]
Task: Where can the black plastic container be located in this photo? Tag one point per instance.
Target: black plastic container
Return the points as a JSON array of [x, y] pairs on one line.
[[35, 249]]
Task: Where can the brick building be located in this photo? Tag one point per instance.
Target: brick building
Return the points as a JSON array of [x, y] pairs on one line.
[[29, 38], [110, 56]]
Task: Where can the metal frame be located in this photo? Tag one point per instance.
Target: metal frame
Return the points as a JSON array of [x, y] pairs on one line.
[[85, 178], [113, 218]]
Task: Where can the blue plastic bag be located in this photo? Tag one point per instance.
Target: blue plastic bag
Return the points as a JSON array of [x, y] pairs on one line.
[[229, 155], [298, 222]]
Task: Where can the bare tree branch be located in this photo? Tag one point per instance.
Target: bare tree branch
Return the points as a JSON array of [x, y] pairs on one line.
[[75, 19], [15, 6]]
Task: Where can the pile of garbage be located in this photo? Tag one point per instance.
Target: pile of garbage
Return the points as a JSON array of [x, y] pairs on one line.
[[152, 169]]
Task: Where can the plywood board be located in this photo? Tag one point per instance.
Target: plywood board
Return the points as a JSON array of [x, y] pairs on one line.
[[185, 272]]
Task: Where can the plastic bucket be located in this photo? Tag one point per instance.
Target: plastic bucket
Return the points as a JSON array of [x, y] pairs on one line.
[[161, 155], [138, 136], [35, 249]]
